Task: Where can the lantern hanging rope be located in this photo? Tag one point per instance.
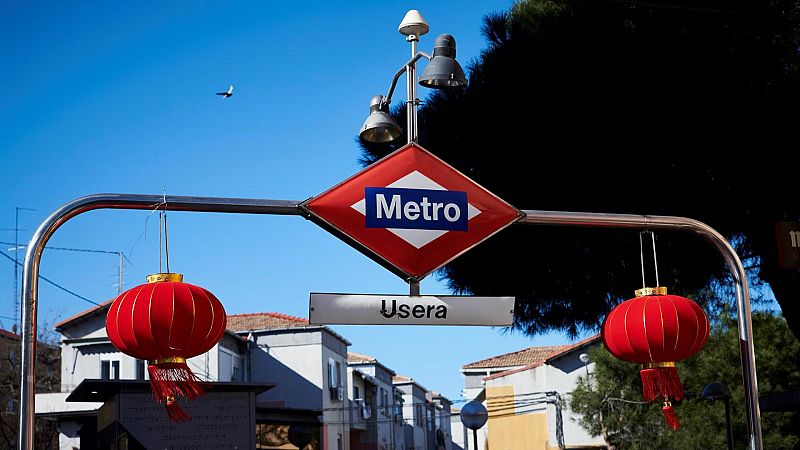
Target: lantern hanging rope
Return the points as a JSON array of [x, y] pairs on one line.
[[166, 322], [657, 330]]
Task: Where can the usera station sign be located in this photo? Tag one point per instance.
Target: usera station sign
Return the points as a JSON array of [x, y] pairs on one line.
[[411, 212]]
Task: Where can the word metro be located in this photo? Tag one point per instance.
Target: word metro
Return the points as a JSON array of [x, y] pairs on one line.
[[422, 209]]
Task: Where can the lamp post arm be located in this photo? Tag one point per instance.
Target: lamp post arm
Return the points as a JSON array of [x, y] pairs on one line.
[[402, 70]]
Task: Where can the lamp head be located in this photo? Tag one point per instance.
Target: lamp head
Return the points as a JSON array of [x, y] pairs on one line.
[[379, 127], [443, 72], [715, 391], [413, 24]]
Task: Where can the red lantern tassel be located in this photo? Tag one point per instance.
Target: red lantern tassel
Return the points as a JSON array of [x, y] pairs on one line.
[[170, 378], [175, 412], [661, 380], [670, 417]]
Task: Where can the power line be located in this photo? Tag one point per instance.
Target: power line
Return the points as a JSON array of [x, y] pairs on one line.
[[74, 294], [120, 254], [71, 249]]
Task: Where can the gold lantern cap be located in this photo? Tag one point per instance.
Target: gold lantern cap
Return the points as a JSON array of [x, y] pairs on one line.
[[658, 290], [168, 276]]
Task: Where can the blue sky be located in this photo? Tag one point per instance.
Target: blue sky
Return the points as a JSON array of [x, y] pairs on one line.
[[119, 97]]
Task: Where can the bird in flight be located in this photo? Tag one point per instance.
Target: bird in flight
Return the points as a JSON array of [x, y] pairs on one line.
[[226, 94]]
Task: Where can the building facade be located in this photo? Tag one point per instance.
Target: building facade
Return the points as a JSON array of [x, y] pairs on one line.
[[421, 415], [315, 395], [524, 391], [376, 403]]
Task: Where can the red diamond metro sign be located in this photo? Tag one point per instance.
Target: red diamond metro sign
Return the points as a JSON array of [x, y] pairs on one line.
[[411, 212]]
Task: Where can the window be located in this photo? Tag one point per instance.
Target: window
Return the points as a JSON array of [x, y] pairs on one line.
[[230, 366], [237, 369], [398, 406], [429, 416], [356, 394], [334, 368], [139, 369], [384, 402], [109, 370]]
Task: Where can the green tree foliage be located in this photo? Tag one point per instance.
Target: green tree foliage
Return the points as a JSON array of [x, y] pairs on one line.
[[624, 107], [609, 400]]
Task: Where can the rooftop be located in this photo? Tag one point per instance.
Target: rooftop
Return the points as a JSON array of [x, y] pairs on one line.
[[530, 356], [264, 321], [401, 379], [560, 351], [524, 357], [9, 335], [99, 309], [355, 358]]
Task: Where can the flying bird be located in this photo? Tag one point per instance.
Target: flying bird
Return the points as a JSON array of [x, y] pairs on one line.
[[226, 94]]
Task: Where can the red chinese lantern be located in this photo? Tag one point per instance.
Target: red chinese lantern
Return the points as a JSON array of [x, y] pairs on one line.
[[165, 322], [657, 330]]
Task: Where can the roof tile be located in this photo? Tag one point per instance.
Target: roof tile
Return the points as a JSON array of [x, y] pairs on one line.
[[264, 321], [524, 357], [354, 358]]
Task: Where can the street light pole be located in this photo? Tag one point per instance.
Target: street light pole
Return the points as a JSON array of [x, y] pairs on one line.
[[727, 402], [716, 390], [443, 72], [411, 90]]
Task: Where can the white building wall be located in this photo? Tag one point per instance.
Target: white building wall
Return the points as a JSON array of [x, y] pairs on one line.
[[297, 361], [414, 415], [354, 382], [398, 432], [86, 346], [560, 376], [294, 362], [443, 414], [458, 432], [336, 414], [385, 415]]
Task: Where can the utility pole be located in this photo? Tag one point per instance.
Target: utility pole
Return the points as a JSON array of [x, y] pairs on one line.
[[16, 230], [119, 286]]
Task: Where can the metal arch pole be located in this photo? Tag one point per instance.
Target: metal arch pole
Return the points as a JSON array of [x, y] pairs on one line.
[[286, 207], [30, 274], [745, 324]]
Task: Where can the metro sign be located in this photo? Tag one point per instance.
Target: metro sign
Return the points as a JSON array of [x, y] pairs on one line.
[[411, 212]]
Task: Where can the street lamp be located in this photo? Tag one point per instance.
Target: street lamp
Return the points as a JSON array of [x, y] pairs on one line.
[[718, 391], [585, 360], [443, 72]]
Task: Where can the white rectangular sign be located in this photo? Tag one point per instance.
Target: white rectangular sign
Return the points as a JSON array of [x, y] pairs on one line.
[[355, 309]]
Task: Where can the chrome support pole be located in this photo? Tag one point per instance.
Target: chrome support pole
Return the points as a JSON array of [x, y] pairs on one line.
[[745, 323], [33, 255], [411, 88]]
